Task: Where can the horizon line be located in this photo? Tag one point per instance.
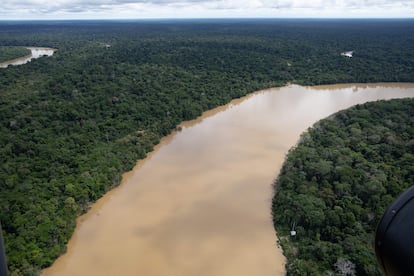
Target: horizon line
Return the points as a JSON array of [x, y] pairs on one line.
[[212, 18]]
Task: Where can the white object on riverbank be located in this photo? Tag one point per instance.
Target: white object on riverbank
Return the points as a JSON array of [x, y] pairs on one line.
[[347, 54]]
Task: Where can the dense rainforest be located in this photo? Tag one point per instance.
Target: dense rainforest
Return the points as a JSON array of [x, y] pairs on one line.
[[336, 184], [71, 124]]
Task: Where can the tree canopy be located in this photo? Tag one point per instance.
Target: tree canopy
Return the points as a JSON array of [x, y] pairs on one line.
[[336, 184]]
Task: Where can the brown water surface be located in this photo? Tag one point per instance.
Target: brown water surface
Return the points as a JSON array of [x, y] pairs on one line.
[[200, 203]]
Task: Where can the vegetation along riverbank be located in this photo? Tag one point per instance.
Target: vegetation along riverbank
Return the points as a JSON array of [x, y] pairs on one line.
[[336, 184]]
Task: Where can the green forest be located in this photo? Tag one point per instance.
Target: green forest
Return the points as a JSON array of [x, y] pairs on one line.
[[336, 184], [72, 123], [12, 52]]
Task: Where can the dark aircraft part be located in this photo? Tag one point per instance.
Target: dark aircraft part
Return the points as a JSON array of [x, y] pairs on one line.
[[3, 265], [394, 240]]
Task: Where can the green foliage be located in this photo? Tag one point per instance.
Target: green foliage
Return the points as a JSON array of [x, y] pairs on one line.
[[338, 181], [9, 52], [71, 124]]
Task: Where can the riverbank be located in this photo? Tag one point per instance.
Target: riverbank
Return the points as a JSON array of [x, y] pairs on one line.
[[209, 243], [336, 184], [12, 52], [173, 175]]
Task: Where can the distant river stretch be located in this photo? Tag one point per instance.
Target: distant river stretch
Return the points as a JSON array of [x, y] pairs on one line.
[[36, 52], [200, 203]]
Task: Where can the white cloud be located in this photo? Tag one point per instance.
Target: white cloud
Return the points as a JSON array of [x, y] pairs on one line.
[[61, 9]]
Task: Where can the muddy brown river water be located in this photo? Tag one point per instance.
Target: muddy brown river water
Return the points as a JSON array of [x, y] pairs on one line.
[[200, 203]]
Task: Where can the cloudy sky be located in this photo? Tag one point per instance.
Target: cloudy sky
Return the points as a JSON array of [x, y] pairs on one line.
[[142, 9]]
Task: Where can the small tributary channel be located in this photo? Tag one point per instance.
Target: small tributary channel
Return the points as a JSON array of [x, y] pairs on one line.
[[200, 204], [36, 52]]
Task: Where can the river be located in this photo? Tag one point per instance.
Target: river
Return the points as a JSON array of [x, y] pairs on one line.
[[36, 52], [200, 203]]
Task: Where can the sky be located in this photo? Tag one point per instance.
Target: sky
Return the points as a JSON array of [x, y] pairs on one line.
[[150, 9]]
